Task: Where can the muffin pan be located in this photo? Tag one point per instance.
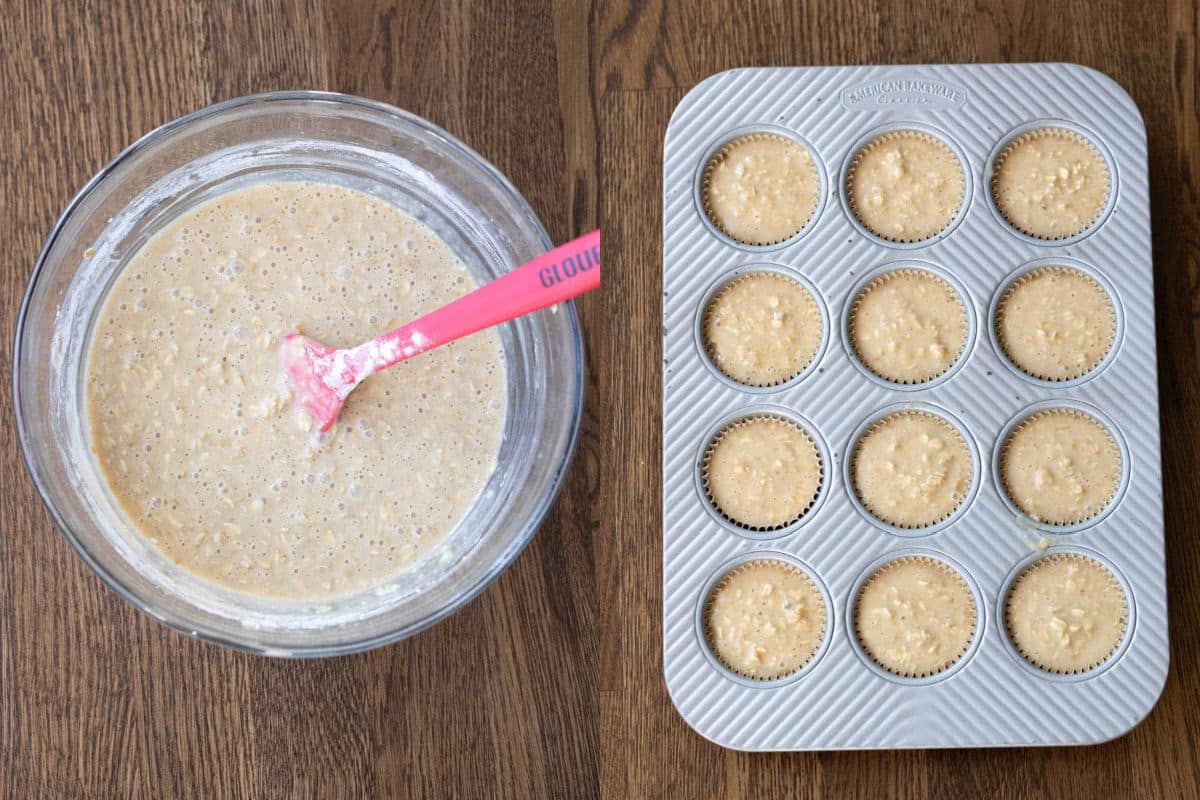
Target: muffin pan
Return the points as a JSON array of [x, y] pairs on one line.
[[991, 695]]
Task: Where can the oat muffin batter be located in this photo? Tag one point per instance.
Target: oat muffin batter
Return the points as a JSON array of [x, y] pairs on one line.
[[762, 472], [762, 329], [1066, 613], [1050, 183], [761, 189], [190, 416], [908, 326], [911, 469], [1055, 323], [1060, 467], [765, 619], [915, 616], [905, 186]]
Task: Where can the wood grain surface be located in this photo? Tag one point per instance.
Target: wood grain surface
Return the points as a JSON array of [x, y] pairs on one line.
[[97, 700], [550, 684], [651, 53]]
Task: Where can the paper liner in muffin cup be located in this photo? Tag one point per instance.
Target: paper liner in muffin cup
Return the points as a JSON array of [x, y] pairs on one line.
[[904, 134], [748, 420], [723, 153], [945, 568], [1046, 132], [1069, 412], [1061, 556], [741, 280], [1039, 272], [880, 281], [951, 429], [748, 566]]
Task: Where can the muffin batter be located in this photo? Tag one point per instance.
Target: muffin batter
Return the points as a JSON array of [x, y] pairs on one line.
[[908, 326], [1060, 467], [765, 619], [1055, 323], [1066, 613], [761, 189], [911, 469], [1050, 183], [762, 329], [762, 472], [190, 416], [905, 186], [915, 616]]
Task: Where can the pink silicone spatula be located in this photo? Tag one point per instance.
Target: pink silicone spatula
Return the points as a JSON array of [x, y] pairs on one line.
[[321, 377]]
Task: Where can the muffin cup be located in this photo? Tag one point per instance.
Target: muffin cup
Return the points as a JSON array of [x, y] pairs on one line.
[[721, 152], [1051, 408], [739, 421], [748, 564], [949, 566], [746, 271], [1034, 133], [872, 424], [896, 133], [1025, 568], [742, 279], [1031, 271], [701, 605], [881, 278]]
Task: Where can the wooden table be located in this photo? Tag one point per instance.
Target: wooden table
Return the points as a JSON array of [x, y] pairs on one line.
[[651, 54], [97, 700], [549, 685]]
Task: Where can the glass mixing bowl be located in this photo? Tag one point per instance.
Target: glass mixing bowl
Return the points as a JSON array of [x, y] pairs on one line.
[[337, 139]]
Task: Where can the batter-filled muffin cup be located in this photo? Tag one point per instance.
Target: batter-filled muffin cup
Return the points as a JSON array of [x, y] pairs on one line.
[[1060, 466], [907, 326], [762, 329], [1050, 183], [1066, 613], [915, 616], [905, 186], [911, 469], [765, 619], [762, 472], [1055, 323], [761, 189]]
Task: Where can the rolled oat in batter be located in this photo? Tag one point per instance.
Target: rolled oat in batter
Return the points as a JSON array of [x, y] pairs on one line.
[[1060, 466], [1050, 183], [762, 329], [905, 186], [915, 616], [190, 416], [912, 469], [762, 472], [1055, 323], [1066, 613], [908, 326], [761, 189], [765, 619]]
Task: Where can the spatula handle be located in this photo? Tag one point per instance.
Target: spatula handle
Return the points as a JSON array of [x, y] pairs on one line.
[[566, 271]]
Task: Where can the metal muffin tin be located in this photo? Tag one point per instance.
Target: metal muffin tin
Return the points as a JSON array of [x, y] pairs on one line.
[[840, 700]]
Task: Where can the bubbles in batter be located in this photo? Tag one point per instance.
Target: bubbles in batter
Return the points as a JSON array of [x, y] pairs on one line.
[[190, 416]]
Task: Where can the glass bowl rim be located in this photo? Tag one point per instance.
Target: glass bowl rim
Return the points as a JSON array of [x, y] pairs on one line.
[[387, 113]]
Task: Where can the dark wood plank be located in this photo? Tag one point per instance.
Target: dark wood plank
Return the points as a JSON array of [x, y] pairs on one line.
[[651, 53], [97, 700]]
